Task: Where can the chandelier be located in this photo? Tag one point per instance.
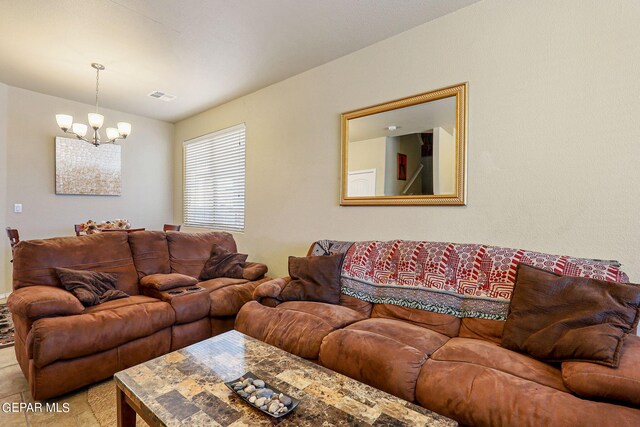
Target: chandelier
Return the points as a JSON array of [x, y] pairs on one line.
[[96, 120]]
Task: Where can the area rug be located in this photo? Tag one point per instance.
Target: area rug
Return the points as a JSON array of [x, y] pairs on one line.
[[102, 400], [6, 327]]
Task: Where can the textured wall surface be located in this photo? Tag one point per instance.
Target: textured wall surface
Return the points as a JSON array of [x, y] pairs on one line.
[[29, 164], [553, 134]]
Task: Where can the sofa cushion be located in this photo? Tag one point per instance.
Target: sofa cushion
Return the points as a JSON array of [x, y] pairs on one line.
[[313, 278], [362, 307], [34, 260], [444, 323], [189, 251], [491, 355], [602, 382], [484, 329], [220, 282], [298, 330], [223, 263], [556, 318], [335, 315], [164, 282], [476, 395], [150, 251], [119, 303], [100, 328], [384, 353], [188, 303]]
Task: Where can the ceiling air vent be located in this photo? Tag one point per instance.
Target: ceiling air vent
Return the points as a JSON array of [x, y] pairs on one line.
[[162, 96]]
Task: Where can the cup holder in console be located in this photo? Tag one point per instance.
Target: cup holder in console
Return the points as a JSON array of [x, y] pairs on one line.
[[194, 288], [175, 292]]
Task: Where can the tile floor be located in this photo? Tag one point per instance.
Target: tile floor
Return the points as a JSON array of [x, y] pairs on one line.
[[14, 388]]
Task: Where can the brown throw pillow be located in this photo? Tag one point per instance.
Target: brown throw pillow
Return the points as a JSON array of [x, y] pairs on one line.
[[223, 263], [90, 287], [558, 318], [314, 278], [164, 282]]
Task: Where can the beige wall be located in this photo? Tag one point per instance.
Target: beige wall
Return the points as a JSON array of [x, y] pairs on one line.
[[369, 154], [444, 160], [553, 134], [146, 198], [5, 252]]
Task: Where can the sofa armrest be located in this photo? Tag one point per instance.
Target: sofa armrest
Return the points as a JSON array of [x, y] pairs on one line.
[[254, 270], [34, 302], [596, 381], [270, 289], [165, 282]]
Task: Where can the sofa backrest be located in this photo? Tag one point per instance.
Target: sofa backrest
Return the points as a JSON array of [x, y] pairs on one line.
[[150, 251], [473, 282], [188, 252], [34, 260]]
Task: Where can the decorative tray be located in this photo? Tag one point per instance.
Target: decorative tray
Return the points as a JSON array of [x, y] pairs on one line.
[[262, 396]]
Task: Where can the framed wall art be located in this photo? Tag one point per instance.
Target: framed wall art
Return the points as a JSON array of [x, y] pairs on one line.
[[83, 168]]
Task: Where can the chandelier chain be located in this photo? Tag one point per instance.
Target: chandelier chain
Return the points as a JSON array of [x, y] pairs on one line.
[[97, 87]]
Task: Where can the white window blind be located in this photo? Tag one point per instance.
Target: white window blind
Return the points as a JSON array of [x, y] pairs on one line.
[[214, 180]]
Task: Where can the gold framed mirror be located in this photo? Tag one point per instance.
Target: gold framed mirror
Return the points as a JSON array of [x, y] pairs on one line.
[[411, 151]]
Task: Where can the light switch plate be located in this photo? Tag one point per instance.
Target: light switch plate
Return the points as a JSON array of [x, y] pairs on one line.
[[17, 208]]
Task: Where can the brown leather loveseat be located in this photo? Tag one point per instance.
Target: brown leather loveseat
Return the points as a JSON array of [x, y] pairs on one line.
[[61, 345], [440, 353]]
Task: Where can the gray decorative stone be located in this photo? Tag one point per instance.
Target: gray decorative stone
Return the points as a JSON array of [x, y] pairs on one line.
[[260, 401], [250, 389], [247, 381], [243, 394], [286, 400], [258, 383], [273, 408], [264, 392]]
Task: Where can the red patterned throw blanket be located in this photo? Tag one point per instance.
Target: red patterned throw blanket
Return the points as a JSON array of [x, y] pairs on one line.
[[465, 280]]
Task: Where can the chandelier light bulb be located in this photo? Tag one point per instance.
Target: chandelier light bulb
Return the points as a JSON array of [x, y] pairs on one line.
[[79, 129], [95, 120], [112, 134], [64, 121], [124, 129]]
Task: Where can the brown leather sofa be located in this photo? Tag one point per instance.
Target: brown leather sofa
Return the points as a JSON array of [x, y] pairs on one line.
[[61, 345], [453, 366]]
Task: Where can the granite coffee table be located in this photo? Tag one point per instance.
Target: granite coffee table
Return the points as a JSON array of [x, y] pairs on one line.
[[185, 388]]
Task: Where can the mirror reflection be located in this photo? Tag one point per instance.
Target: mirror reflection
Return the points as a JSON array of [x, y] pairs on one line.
[[410, 151], [404, 152]]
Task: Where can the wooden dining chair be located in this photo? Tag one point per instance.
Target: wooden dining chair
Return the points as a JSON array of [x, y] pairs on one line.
[[171, 227], [14, 236]]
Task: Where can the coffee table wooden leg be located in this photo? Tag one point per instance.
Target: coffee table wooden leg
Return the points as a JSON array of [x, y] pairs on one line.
[[126, 414]]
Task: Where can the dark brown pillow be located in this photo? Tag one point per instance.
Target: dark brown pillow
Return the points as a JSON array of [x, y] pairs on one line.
[[223, 263], [314, 278], [90, 287], [559, 318]]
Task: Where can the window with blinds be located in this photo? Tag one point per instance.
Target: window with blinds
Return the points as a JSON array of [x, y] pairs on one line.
[[214, 180]]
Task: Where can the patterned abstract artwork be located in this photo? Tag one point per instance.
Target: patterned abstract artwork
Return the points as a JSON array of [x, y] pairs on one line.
[[82, 168]]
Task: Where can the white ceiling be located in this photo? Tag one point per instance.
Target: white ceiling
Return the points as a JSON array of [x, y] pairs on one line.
[[205, 52]]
